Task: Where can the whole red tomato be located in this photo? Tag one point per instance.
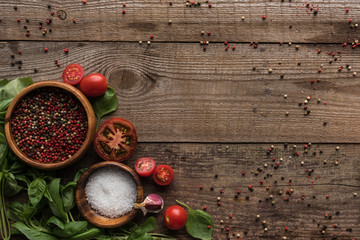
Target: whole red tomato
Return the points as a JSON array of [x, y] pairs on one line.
[[94, 85], [175, 217]]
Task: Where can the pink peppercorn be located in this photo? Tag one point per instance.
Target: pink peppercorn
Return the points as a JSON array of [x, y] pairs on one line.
[[238, 192], [46, 49], [327, 196], [201, 187], [286, 228], [264, 17], [18, 19], [204, 208], [123, 11], [209, 33], [84, 1], [52, 13], [250, 187], [209, 226], [243, 173], [20, 52], [347, 10], [319, 51], [151, 36], [66, 50], [231, 215], [350, 20], [124, 4], [210, 5], [233, 48], [74, 20]]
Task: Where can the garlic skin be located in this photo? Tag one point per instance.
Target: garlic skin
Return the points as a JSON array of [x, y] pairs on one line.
[[153, 203]]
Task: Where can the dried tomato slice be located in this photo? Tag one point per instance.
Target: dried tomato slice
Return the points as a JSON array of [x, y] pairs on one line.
[[73, 74], [115, 140]]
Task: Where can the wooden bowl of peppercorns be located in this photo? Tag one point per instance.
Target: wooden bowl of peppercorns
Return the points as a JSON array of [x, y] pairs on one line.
[[50, 125]]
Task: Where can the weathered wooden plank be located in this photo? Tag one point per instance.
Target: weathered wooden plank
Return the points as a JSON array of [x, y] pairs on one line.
[[196, 165], [176, 92], [103, 21]]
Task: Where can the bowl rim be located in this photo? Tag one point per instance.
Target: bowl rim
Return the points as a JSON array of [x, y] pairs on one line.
[[90, 214], [89, 136]]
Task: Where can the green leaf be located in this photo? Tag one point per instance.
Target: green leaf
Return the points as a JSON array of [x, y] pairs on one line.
[[3, 151], [31, 233], [68, 196], [36, 190], [197, 223], [4, 104], [104, 104], [22, 210], [11, 185], [70, 229], [56, 205], [141, 231], [3, 82], [78, 174], [57, 222], [12, 88]]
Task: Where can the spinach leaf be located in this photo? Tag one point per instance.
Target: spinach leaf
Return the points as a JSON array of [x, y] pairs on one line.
[[3, 82], [12, 88], [197, 223], [22, 211], [78, 174], [57, 222], [36, 190], [11, 185], [68, 196], [70, 229], [56, 205], [32, 234], [3, 151], [141, 231], [104, 104]]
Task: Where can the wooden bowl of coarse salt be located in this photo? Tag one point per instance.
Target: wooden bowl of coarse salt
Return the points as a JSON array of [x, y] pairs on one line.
[[106, 194]]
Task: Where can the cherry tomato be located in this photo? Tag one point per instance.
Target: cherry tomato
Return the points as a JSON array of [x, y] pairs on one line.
[[115, 140], [145, 166], [163, 175], [73, 74], [175, 217], [94, 85]]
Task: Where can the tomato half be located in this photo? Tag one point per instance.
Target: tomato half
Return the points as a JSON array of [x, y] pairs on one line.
[[94, 85], [73, 74], [175, 217], [163, 175], [115, 140], [145, 166]]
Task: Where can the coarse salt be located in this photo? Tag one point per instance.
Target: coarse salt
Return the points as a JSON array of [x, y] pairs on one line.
[[111, 192]]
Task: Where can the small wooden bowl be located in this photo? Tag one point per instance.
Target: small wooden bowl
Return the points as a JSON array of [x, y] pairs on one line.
[[90, 214], [89, 136]]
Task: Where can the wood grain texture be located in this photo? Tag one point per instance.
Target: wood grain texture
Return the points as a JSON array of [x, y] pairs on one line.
[[197, 164], [103, 21], [176, 92]]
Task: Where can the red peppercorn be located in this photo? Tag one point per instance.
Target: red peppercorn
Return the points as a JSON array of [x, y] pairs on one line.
[[226, 48], [46, 49], [233, 48], [66, 50], [238, 192], [123, 11], [231, 215], [347, 10], [151, 36], [327, 196], [74, 20], [210, 5], [18, 19], [201, 187], [319, 51], [20, 52], [227, 229], [250, 187], [243, 173], [52, 13], [84, 1], [264, 17], [286, 228], [204, 208], [350, 20], [209, 33], [124, 4], [209, 226]]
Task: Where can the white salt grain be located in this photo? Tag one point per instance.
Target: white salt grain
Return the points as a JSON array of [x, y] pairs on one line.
[[111, 192]]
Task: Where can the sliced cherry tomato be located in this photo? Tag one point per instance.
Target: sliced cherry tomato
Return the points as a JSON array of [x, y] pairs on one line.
[[145, 166], [73, 74], [163, 175], [175, 217], [115, 140], [94, 85]]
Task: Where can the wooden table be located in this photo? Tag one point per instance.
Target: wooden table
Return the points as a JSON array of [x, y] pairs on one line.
[[223, 116]]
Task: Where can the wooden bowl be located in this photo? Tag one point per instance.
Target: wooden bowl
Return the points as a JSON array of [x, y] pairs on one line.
[[89, 136], [90, 214]]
